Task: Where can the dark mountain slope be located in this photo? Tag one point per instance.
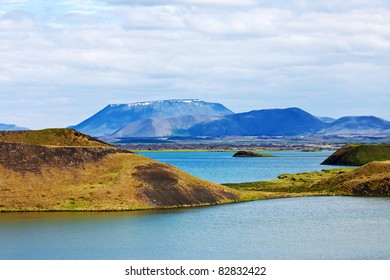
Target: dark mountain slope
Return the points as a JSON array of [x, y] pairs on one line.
[[271, 122], [359, 125]]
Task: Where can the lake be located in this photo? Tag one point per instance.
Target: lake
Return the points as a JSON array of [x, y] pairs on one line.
[[293, 228], [221, 167], [296, 228]]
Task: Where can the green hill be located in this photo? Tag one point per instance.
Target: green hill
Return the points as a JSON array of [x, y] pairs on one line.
[[52, 137], [357, 155]]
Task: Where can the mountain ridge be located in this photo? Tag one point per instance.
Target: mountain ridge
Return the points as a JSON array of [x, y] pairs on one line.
[[10, 127], [266, 122], [193, 117]]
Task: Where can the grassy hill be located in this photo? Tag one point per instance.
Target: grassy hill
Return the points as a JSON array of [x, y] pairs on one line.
[[370, 179], [52, 137], [94, 178], [357, 155]]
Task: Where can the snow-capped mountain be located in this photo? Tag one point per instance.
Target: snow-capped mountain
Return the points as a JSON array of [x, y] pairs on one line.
[[124, 119]]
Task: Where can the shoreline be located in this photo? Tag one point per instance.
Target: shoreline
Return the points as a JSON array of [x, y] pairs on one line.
[[165, 208], [186, 207]]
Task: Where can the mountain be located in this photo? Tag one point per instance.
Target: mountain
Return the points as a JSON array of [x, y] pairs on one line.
[[115, 117], [6, 127], [357, 126], [43, 177], [193, 117], [356, 155], [270, 122], [326, 119], [161, 126]]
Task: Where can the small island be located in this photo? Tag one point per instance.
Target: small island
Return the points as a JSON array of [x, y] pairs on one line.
[[249, 154]]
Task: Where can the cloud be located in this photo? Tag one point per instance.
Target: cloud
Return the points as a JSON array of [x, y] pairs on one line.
[[256, 55]]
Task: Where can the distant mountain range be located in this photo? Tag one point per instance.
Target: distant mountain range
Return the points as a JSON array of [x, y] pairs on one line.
[[7, 127], [193, 117]]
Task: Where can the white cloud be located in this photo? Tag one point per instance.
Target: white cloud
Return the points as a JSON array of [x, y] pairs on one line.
[[272, 55]]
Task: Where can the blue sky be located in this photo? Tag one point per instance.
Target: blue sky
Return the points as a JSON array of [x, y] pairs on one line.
[[62, 61]]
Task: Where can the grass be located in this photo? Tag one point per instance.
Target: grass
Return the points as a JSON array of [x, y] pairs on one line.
[[290, 185], [63, 137]]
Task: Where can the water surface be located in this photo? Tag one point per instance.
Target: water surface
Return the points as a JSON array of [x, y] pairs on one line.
[[221, 167], [297, 228]]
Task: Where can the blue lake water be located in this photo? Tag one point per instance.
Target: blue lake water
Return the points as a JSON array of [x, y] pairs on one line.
[[221, 167], [297, 228]]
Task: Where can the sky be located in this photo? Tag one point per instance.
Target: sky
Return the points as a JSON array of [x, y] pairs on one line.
[[63, 61]]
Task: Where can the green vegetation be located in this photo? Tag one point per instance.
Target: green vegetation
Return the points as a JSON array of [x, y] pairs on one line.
[[290, 185], [52, 137], [357, 155], [370, 179]]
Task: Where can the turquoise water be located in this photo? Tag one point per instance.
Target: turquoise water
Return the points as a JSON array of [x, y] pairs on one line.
[[221, 167], [298, 228]]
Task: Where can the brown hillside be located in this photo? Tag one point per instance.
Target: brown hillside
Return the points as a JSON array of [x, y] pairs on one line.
[[37, 178], [370, 179]]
